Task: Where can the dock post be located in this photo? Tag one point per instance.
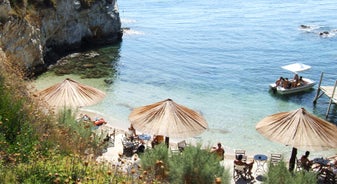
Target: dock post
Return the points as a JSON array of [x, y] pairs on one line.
[[331, 99], [318, 89]]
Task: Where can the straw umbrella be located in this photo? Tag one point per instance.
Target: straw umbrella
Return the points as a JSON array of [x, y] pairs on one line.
[[70, 93], [169, 119], [299, 129]]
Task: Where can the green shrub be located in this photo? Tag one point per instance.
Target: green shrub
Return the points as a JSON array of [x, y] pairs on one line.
[[60, 169], [279, 174], [78, 134], [196, 165], [193, 165], [305, 177], [17, 135], [151, 157]]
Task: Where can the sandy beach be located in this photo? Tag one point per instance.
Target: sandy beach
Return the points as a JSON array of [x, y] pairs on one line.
[[114, 153]]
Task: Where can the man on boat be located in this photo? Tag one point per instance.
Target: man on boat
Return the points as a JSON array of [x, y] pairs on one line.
[[286, 84], [279, 82], [295, 81]]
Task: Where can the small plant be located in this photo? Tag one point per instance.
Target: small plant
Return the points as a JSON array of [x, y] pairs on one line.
[[193, 165], [196, 165], [279, 174]]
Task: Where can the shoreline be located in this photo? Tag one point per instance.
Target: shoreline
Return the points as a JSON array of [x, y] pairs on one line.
[[114, 154], [229, 136], [113, 123]]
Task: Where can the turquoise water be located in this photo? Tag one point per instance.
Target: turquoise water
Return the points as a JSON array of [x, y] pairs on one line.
[[218, 57]]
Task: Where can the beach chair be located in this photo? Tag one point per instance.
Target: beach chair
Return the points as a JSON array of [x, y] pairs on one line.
[[182, 145], [327, 176], [275, 158], [241, 171], [179, 148], [241, 152], [160, 138], [298, 165]]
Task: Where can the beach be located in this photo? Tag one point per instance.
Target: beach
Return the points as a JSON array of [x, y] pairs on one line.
[[113, 156], [116, 156], [218, 58], [114, 153]]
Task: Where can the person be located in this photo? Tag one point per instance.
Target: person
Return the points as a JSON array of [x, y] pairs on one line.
[[238, 161], [306, 163], [219, 151], [86, 118], [295, 77], [131, 134], [286, 84], [279, 82], [157, 139], [132, 130], [300, 81], [100, 122], [295, 81], [334, 167], [140, 148]]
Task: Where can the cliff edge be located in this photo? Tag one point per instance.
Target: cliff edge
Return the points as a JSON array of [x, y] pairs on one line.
[[33, 36]]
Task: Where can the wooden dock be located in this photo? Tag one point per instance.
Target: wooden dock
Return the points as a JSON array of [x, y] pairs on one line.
[[329, 91]]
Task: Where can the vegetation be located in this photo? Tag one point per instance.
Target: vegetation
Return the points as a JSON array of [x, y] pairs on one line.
[[100, 64], [40, 146], [279, 174], [193, 165], [21, 7], [37, 145]]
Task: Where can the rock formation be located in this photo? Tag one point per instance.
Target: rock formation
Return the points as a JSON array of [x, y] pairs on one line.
[[36, 38]]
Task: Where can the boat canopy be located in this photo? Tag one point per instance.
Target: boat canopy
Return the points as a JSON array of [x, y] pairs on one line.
[[296, 67]]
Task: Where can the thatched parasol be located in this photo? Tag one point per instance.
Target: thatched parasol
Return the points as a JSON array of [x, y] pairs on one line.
[[169, 119], [299, 129], [70, 93]]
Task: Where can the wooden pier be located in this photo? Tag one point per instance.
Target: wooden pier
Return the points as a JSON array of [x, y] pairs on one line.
[[329, 91]]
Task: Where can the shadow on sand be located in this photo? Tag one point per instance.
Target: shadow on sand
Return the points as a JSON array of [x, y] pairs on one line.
[[258, 179]]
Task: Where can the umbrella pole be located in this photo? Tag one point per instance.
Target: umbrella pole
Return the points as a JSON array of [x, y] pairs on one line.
[[292, 159], [167, 141]]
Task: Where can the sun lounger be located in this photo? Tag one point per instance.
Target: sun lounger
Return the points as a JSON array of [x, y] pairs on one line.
[[275, 158]]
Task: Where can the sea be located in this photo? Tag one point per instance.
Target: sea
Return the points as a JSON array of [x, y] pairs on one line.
[[218, 58]]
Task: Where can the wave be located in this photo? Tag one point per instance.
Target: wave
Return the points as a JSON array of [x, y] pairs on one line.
[[125, 21], [128, 31]]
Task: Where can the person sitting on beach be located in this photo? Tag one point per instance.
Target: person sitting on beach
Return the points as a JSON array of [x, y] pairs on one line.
[[133, 131], [219, 151], [238, 161], [100, 122], [131, 134], [86, 118], [306, 163], [334, 167], [141, 148], [157, 139]]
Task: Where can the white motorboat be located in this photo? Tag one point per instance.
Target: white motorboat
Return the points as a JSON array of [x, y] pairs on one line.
[[304, 85]]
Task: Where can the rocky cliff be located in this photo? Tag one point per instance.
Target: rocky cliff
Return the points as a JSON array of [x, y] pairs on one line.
[[36, 38]]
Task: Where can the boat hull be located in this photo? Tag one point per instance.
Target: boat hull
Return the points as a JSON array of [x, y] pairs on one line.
[[308, 85]]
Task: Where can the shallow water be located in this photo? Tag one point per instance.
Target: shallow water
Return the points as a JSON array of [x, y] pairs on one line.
[[218, 57]]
